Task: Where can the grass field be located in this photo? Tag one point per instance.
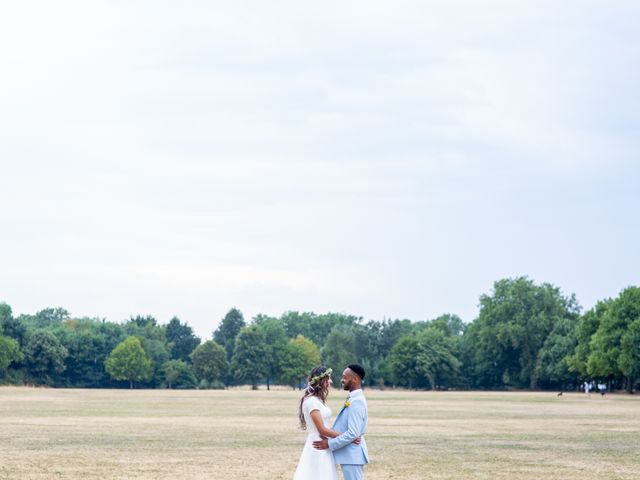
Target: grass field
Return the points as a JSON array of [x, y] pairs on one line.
[[243, 434]]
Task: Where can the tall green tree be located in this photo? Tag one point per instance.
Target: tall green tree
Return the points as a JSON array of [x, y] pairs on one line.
[[437, 360], [376, 348], [403, 361], [228, 330], [181, 339], [339, 350], [44, 356], [629, 361], [275, 341], [178, 374], [15, 328], [5, 314], [479, 368], [129, 362], [426, 358], [89, 342], [153, 339], [391, 332], [250, 351], [210, 362], [513, 324], [368, 348], [552, 367], [454, 329], [9, 353], [297, 359], [586, 328], [609, 358]]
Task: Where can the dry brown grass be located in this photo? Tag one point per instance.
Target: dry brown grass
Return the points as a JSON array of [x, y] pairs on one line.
[[243, 434]]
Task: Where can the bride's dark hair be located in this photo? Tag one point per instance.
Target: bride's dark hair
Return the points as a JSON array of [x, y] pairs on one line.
[[318, 386]]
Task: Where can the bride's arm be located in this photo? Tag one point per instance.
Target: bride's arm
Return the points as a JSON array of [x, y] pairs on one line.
[[322, 429]]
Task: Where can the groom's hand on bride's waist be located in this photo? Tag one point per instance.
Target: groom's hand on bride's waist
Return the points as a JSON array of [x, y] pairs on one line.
[[321, 444]]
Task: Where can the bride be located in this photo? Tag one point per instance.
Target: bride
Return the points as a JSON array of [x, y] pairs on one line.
[[313, 413]]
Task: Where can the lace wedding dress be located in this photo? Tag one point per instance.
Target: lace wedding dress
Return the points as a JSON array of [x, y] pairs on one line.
[[315, 464]]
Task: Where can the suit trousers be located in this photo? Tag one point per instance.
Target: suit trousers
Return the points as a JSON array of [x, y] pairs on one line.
[[352, 472]]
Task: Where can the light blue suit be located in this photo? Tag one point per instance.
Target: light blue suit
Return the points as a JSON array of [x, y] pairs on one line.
[[352, 422]]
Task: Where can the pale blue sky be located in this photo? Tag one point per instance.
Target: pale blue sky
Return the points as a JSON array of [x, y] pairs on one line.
[[383, 159]]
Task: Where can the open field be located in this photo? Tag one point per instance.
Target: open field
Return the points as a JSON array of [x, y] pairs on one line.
[[240, 434]]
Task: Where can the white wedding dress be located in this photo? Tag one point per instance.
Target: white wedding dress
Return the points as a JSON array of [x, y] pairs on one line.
[[315, 464]]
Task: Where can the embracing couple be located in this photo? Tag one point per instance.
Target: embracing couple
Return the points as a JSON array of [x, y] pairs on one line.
[[342, 444]]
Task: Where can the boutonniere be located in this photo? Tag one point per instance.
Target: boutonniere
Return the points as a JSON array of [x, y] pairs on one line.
[[347, 403]]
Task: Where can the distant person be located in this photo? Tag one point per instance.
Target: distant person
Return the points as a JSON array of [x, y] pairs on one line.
[[315, 415], [352, 420], [587, 388]]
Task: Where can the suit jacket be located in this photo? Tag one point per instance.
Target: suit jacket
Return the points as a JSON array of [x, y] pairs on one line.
[[352, 422]]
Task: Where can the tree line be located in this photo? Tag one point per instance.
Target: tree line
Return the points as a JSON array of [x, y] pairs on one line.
[[526, 336]]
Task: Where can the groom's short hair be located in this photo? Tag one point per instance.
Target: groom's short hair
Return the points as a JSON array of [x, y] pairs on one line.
[[354, 367]]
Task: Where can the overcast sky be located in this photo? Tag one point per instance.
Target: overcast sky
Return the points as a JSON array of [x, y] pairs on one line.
[[382, 159]]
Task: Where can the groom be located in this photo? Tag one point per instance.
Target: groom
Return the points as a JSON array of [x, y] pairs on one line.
[[352, 421]]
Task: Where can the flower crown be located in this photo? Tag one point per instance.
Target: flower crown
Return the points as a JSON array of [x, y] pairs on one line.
[[317, 378]]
